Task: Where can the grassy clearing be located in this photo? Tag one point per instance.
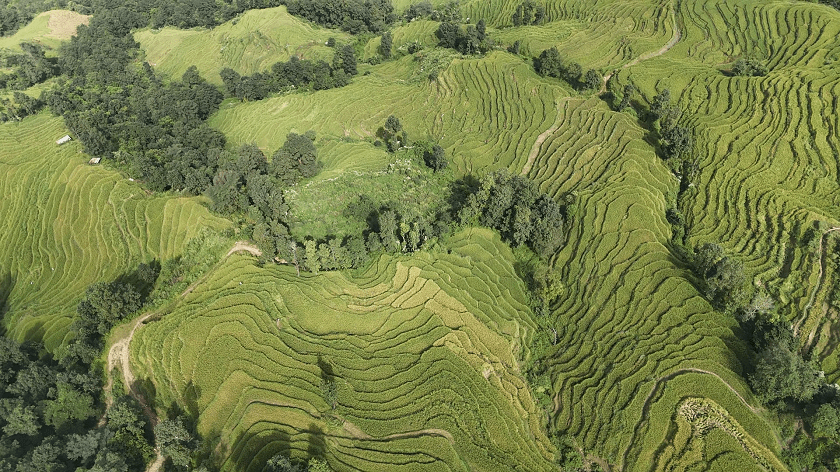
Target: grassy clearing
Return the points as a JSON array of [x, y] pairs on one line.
[[66, 225], [422, 348], [320, 206], [49, 28], [250, 43]]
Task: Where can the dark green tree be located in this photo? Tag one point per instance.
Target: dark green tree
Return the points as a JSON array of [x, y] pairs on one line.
[[175, 442], [592, 80], [782, 374], [386, 44], [435, 158]]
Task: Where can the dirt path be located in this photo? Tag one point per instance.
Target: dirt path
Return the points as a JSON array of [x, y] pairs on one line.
[[118, 354], [810, 303], [675, 38]]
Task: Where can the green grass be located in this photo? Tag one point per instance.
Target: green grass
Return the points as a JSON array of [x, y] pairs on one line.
[[319, 205], [250, 43], [417, 343], [40, 31], [66, 225]]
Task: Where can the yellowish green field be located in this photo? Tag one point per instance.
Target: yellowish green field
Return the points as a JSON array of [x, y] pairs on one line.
[[423, 349], [250, 43], [49, 29], [66, 225]]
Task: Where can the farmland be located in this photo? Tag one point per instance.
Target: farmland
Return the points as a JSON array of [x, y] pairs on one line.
[[66, 225], [248, 44], [426, 360], [423, 350]]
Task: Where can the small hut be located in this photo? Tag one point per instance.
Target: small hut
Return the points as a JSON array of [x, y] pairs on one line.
[[94, 160], [65, 139]]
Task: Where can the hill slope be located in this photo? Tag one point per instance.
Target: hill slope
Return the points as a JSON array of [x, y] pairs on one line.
[[248, 44], [49, 28], [422, 350], [67, 225]]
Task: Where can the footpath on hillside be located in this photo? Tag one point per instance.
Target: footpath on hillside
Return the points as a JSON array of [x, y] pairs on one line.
[[675, 38], [118, 354]]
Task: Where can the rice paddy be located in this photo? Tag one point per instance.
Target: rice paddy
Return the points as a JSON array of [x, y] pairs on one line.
[[426, 350], [66, 225], [423, 350], [250, 43]]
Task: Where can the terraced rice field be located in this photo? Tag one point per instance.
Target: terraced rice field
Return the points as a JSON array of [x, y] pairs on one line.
[[635, 338], [250, 43], [49, 28], [768, 147], [66, 225], [423, 350], [645, 375], [486, 112]]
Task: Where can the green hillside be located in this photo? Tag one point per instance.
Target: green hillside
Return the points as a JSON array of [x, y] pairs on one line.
[[49, 29], [250, 43], [67, 225], [423, 351], [419, 361]]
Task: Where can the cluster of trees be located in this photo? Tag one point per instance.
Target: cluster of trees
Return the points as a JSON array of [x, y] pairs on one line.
[[247, 183], [392, 134], [19, 107], [281, 463], [124, 110], [514, 206], [528, 13], [472, 40], [449, 12], [551, 64], [353, 16], [50, 406], [675, 136], [30, 67], [295, 73], [385, 45], [749, 67]]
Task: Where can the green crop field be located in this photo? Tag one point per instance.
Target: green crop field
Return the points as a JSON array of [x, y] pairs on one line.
[[250, 43], [426, 352], [423, 350], [49, 29], [66, 225]]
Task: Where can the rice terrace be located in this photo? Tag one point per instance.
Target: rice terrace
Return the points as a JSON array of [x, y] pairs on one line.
[[420, 235]]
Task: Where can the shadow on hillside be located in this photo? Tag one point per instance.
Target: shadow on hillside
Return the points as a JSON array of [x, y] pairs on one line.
[[142, 278], [7, 284]]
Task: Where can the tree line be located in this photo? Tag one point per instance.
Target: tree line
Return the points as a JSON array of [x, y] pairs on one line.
[[353, 16], [550, 64], [292, 74], [51, 405]]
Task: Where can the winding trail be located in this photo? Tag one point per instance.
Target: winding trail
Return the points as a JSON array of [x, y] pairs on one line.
[[675, 38], [816, 289], [118, 354]]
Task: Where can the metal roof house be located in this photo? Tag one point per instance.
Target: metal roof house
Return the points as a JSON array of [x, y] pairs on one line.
[[65, 139]]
